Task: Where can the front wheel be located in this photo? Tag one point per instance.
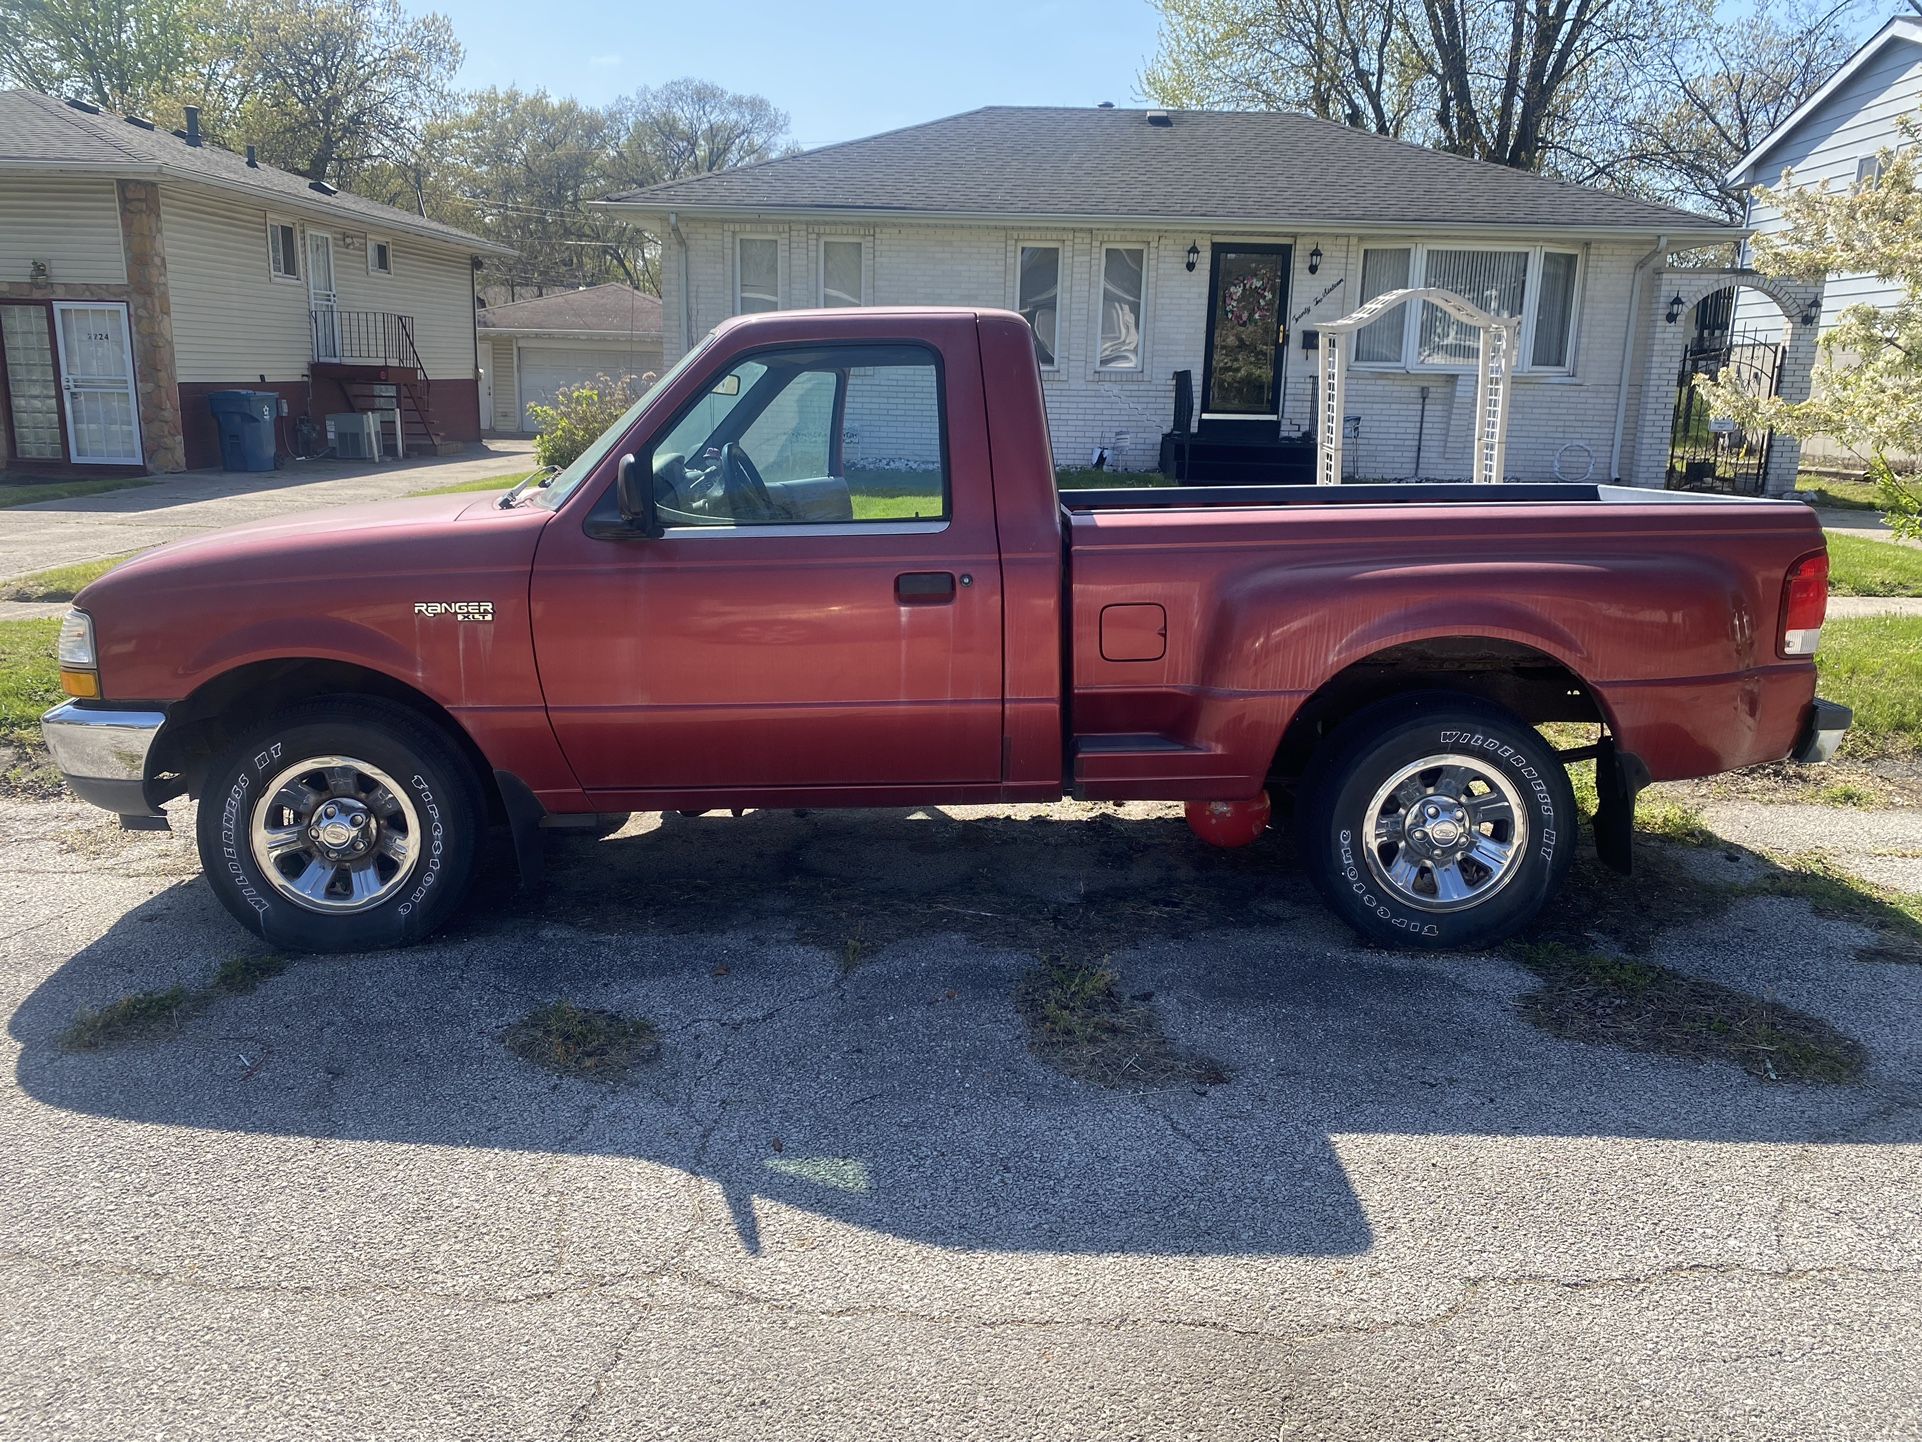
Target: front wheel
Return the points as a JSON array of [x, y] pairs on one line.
[[1437, 820], [350, 825]]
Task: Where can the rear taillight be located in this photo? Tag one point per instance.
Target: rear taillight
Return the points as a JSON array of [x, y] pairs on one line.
[[1805, 601]]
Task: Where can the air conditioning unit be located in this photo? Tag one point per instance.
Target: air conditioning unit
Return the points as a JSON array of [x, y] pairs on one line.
[[354, 435]]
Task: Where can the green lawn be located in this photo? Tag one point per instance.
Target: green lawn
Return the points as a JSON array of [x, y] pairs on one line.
[[17, 493], [1859, 566], [1873, 665], [490, 483], [1843, 494], [1080, 478], [62, 583], [29, 686]]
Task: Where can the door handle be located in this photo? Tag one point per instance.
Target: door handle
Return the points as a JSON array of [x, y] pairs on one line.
[[924, 588]]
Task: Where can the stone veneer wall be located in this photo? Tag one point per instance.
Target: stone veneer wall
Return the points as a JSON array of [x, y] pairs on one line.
[[153, 326]]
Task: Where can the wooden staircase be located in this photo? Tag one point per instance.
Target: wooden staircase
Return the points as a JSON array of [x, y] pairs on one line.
[[371, 359]]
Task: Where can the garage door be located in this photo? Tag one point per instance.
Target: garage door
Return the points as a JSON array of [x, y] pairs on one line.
[[546, 370]]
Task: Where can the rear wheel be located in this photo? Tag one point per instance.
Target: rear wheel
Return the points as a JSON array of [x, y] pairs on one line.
[[1437, 820], [349, 825]]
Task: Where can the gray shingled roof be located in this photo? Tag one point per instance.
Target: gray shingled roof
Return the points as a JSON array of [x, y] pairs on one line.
[[38, 132], [1207, 165], [614, 308]]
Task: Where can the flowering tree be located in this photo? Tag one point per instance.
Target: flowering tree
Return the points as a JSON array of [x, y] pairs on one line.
[[1868, 385]]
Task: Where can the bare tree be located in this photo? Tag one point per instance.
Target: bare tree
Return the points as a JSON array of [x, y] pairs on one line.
[[691, 127]]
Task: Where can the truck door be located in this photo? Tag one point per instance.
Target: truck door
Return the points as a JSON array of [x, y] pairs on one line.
[[823, 610]]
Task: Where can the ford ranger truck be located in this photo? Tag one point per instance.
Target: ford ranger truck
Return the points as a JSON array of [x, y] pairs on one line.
[[823, 562]]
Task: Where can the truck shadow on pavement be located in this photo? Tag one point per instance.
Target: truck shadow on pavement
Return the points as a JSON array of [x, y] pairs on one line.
[[835, 997]]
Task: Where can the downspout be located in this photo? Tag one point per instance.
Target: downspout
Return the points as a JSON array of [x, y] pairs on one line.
[[1628, 345], [687, 298]]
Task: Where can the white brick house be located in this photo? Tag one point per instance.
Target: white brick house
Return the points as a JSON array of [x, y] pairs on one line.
[[1141, 244]]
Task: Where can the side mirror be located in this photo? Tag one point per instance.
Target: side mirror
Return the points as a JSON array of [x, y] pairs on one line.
[[634, 487]]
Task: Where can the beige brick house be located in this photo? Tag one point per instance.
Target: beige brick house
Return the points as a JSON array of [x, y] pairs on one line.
[[1154, 251], [141, 269]]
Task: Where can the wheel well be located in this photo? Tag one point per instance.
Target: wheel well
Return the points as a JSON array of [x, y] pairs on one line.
[[1530, 683], [208, 720]]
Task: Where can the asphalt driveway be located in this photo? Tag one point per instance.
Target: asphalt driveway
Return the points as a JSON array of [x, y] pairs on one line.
[[45, 534], [849, 1200]]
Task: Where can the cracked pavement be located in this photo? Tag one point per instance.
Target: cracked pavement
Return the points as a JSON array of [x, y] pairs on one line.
[[847, 1201]]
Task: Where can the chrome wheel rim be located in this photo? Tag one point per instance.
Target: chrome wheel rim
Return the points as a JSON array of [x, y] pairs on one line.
[[334, 834], [1446, 833]]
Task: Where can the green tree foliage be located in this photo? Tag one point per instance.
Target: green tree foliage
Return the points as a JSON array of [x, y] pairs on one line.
[[1868, 385], [116, 53]]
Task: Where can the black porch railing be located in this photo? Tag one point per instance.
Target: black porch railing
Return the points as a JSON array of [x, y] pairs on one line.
[[365, 337]]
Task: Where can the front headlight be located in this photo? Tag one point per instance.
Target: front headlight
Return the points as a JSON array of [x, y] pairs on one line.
[[79, 661]]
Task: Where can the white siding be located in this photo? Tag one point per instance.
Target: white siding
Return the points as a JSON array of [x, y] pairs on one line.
[[71, 224], [1856, 122], [232, 320], [507, 411], [1127, 412]]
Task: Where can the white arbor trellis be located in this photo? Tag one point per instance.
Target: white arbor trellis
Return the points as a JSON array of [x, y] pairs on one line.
[[1496, 358]]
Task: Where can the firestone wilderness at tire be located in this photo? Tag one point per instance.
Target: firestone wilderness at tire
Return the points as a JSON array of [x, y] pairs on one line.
[[347, 825], [1437, 821]]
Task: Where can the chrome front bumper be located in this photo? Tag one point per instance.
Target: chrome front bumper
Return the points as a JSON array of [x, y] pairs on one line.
[[1822, 731], [103, 754]]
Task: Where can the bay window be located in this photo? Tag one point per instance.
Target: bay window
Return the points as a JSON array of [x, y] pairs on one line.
[[1537, 286], [1123, 280], [1037, 296]]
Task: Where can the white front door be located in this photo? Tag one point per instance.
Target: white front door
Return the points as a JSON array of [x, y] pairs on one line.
[[322, 295], [96, 372]]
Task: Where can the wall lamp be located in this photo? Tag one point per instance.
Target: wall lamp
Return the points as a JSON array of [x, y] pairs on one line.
[[1194, 255], [1811, 314], [1675, 307], [1314, 260]]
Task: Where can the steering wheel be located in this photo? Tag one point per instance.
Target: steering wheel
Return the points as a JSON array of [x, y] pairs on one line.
[[747, 494]]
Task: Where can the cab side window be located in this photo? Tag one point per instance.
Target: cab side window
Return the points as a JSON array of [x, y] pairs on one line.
[[821, 435]]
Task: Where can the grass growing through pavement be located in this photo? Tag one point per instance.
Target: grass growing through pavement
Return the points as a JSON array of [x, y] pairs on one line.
[[147, 1015], [139, 1017], [1861, 566], [26, 493], [62, 583], [1835, 893], [1873, 665], [1639, 1006], [1078, 1022], [583, 1042]]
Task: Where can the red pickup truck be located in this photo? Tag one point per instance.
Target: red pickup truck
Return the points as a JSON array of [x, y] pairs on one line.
[[823, 562]]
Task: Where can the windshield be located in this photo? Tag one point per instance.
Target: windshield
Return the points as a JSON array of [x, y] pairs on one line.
[[562, 486]]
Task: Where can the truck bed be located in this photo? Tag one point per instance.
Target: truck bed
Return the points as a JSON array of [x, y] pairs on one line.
[[1203, 619]]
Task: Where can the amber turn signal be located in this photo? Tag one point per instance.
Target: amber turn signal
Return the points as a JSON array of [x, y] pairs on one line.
[[83, 684]]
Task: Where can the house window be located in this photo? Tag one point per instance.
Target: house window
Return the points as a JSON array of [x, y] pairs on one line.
[[1868, 172], [380, 257], [840, 272], [1038, 297], [757, 271], [1123, 278], [1536, 286], [1381, 272], [1491, 279], [283, 250]]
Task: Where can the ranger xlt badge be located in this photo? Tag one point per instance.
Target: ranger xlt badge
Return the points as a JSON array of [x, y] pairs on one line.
[[459, 610]]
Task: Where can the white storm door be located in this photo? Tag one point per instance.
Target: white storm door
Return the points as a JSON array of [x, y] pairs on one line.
[[322, 295], [96, 372]]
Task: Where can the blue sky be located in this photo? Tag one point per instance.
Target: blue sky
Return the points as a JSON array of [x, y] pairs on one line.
[[840, 70]]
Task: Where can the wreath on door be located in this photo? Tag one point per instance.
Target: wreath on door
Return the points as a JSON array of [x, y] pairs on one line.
[[1247, 300]]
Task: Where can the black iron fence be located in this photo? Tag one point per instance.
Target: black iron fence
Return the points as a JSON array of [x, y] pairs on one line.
[[1710, 454]]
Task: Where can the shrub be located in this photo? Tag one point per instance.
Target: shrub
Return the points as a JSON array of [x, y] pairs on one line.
[[579, 415]]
